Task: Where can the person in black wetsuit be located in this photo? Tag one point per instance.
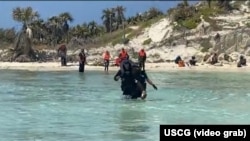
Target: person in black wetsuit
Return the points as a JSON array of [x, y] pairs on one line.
[[129, 84], [142, 77]]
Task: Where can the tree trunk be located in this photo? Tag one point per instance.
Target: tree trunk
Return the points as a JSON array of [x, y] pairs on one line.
[[23, 51]]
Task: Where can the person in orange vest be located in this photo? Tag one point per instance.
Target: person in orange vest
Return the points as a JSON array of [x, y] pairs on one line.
[[142, 58], [62, 52], [106, 58], [123, 55]]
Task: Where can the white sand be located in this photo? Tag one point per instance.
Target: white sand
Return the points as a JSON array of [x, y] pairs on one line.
[[157, 67]]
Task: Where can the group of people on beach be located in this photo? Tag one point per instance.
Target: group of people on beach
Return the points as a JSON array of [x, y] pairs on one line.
[[213, 60], [133, 76], [62, 52]]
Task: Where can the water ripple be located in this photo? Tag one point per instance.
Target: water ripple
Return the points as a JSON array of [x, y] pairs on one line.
[[51, 106]]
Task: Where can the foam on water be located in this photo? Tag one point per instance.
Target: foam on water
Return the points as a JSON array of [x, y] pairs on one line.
[[52, 106]]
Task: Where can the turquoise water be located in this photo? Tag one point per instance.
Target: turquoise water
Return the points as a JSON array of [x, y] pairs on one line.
[[68, 106]]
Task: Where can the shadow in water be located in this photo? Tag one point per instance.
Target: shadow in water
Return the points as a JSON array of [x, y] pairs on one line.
[[132, 123]]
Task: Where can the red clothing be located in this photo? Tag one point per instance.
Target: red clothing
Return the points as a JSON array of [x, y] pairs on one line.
[[82, 57], [106, 56], [142, 53], [123, 55]]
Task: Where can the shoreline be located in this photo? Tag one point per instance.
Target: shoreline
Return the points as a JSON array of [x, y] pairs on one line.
[[150, 67]]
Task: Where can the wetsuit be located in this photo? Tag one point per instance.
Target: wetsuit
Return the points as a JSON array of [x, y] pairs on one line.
[[128, 84], [142, 78]]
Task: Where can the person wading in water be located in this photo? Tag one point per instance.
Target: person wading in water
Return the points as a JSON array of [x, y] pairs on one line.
[[142, 58], [62, 52], [106, 58], [82, 60], [129, 85], [123, 55]]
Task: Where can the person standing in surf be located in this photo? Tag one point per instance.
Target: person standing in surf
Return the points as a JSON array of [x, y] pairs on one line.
[[142, 77], [82, 60], [129, 84], [62, 52], [142, 58], [123, 55], [106, 58]]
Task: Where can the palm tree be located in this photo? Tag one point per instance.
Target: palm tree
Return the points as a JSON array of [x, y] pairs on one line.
[[92, 26], [64, 19], [225, 4], [108, 18], [54, 27], [120, 18], [37, 27], [23, 45], [24, 15], [185, 3], [209, 3], [153, 12]]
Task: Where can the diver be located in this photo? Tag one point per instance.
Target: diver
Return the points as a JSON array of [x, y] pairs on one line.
[[143, 78], [129, 84]]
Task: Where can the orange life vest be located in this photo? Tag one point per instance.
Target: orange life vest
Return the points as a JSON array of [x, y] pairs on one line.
[[106, 56], [123, 55], [142, 54], [181, 63]]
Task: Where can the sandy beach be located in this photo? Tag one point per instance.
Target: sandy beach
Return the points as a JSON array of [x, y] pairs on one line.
[[56, 66]]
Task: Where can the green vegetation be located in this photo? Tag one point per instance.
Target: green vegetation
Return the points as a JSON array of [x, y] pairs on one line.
[[248, 25], [146, 42], [115, 26], [206, 45], [189, 16], [156, 55], [56, 29]]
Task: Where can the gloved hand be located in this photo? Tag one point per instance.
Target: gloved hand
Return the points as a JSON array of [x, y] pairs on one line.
[[116, 78], [155, 87]]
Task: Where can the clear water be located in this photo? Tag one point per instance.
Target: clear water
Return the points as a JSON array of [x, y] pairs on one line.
[[68, 106]]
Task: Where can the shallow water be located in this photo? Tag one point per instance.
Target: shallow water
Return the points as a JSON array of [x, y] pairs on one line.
[[68, 106]]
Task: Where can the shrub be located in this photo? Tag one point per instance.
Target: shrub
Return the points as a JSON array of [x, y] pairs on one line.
[[146, 42]]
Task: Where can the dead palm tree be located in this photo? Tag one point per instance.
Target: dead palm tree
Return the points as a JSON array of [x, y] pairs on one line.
[[23, 44]]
